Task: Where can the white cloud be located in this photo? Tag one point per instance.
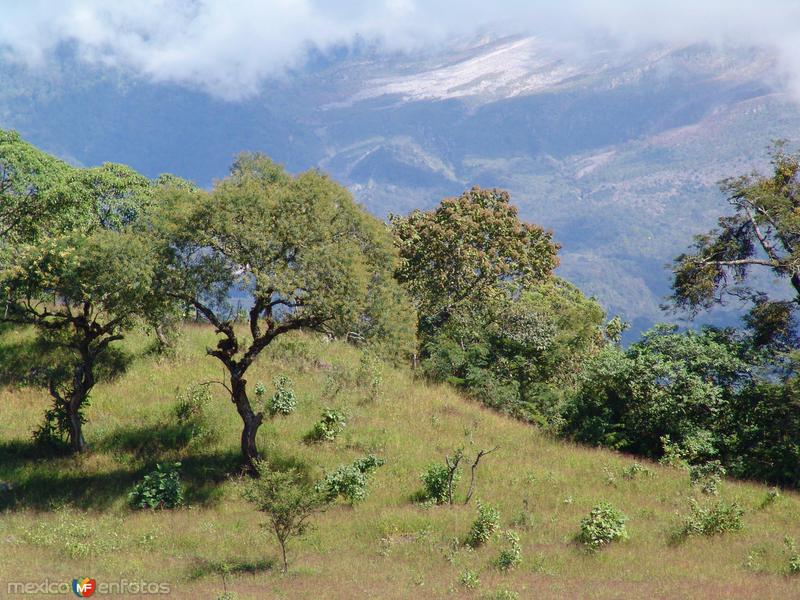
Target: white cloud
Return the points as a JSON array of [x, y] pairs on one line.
[[229, 47]]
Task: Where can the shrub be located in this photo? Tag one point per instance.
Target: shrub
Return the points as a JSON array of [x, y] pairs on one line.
[[511, 555], [718, 518], [484, 526], [350, 481], [283, 401], [331, 424], [161, 488], [603, 525], [52, 435], [793, 566], [708, 476], [635, 471], [501, 594], [770, 498], [369, 376], [190, 411], [469, 579], [288, 501], [438, 481]]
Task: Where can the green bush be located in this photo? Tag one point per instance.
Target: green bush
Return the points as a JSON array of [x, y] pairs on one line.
[[511, 556], [487, 522], [283, 401], [718, 518], [437, 484], [161, 488], [190, 412], [707, 476], [603, 525], [469, 579], [793, 565], [330, 425], [350, 481]]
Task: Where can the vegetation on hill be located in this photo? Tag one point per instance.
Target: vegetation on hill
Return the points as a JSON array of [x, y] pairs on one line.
[[331, 307]]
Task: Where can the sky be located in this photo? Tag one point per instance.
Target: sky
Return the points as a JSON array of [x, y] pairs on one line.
[[229, 48]]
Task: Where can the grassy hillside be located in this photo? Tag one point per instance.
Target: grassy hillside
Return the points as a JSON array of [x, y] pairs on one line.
[[69, 517]]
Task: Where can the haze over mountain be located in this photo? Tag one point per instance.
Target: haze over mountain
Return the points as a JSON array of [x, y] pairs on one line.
[[616, 147]]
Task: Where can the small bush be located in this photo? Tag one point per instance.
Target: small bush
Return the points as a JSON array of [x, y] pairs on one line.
[[770, 498], [484, 526], [436, 482], [707, 476], [190, 412], [793, 566], [369, 376], [350, 481], [52, 436], [331, 424], [501, 594], [718, 518], [603, 525], [511, 556], [635, 471], [469, 579], [161, 488], [283, 401]]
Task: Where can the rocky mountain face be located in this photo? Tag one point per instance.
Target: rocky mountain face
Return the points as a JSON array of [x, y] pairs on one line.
[[618, 150]]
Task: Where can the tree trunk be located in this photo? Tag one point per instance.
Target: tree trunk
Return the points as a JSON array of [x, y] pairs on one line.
[[76, 439], [251, 422]]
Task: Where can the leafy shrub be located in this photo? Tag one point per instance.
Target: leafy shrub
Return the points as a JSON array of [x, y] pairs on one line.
[[635, 471], [721, 517], [331, 424], [603, 525], [469, 579], [283, 401], [350, 481], [161, 488], [770, 498], [487, 522], [437, 482], [190, 412], [369, 376], [501, 594], [511, 556], [53, 434], [793, 565], [708, 476]]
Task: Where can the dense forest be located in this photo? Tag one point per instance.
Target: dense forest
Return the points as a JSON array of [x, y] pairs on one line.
[[466, 293]]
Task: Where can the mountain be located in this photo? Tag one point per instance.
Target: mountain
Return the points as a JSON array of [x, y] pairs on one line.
[[618, 150]]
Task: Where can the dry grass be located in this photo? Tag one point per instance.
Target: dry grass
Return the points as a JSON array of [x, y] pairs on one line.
[[69, 517]]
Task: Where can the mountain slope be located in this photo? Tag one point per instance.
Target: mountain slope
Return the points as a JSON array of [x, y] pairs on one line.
[[70, 516]]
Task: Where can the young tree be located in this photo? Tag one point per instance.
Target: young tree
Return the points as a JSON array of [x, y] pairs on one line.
[[82, 292], [288, 500], [304, 252], [464, 249], [763, 233]]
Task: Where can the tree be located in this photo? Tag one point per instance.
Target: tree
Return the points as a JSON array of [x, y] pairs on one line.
[[288, 500], [82, 292], [763, 233], [462, 251], [305, 254]]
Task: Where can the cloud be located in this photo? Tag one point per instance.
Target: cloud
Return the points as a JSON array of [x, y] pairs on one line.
[[230, 47]]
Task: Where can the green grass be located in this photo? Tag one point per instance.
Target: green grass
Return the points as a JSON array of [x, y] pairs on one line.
[[68, 517]]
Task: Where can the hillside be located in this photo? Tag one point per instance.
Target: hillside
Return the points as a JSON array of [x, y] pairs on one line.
[[69, 517]]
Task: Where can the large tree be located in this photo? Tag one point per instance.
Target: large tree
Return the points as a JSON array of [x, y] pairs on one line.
[[762, 233], [81, 292], [305, 254], [468, 248]]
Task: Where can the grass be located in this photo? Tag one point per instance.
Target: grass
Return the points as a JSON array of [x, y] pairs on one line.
[[68, 517]]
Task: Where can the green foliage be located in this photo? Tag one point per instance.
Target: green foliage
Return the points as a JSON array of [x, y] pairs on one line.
[[52, 435], [636, 471], [288, 501], [464, 248], [283, 401], [718, 518], [793, 556], [603, 525], [501, 594], [511, 556], [369, 376], [707, 476], [350, 481], [770, 498], [439, 482], [484, 526], [161, 488], [191, 410], [469, 579], [330, 425]]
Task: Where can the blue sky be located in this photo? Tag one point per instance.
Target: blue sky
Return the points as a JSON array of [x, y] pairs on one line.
[[229, 47]]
